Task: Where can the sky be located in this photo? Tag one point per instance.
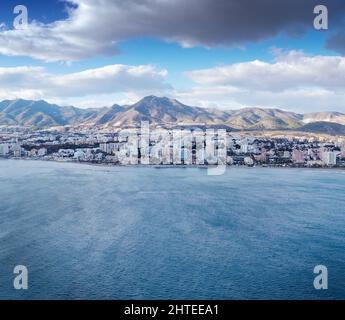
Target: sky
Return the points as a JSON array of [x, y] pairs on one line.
[[224, 54]]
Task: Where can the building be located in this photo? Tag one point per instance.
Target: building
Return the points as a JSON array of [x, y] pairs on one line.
[[286, 155], [262, 157], [342, 155], [109, 148], [79, 155], [244, 147], [329, 158], [17, 150], [42, 152], [4, 149], [33, 153], [297, 156]]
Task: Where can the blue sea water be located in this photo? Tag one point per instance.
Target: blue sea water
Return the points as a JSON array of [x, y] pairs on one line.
[[88, 232]]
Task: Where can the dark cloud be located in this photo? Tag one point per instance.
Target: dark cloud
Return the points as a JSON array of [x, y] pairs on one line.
[[96, 26], [232, 22], [216, 22], [203, 22]]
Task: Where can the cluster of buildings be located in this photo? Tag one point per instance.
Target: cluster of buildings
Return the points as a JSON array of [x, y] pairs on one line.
[[173, 147]]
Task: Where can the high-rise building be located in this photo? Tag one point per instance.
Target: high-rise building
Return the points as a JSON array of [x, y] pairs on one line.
[[329, 158], [297, 156], [4, 149]]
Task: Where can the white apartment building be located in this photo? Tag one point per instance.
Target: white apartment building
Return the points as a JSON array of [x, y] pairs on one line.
[[329, 158], [4, 149]]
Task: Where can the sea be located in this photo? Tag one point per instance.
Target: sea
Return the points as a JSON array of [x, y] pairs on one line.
[[100, 232]]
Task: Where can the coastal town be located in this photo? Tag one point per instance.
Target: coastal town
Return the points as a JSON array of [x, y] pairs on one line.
[[172, 147]]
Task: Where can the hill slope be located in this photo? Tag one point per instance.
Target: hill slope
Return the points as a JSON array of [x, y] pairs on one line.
[[324, 127]]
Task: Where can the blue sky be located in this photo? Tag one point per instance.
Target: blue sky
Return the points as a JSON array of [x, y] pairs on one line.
[[95, 53]]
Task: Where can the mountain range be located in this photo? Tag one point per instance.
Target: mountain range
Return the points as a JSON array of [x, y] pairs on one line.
[[168, 113]]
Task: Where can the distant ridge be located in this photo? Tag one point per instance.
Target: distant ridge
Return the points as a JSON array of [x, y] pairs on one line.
[[324, 127], [165, 112]]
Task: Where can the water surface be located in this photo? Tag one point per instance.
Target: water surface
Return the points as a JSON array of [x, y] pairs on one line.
[[87, 232]]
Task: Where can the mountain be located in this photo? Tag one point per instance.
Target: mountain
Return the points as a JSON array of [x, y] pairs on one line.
[[41, 114], [257, 118], [334, 117], [324, 127], [165, 111], [168, 113], [103, 116], [161, 111]]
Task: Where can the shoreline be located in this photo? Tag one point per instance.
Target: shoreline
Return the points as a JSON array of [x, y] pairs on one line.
[[172, 166]]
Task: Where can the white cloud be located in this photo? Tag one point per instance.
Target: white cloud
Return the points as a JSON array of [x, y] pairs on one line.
[[293, 81], [37, 83], [294, 70]]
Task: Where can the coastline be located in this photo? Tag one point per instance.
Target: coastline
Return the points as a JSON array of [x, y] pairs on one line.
[[171, 166]]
